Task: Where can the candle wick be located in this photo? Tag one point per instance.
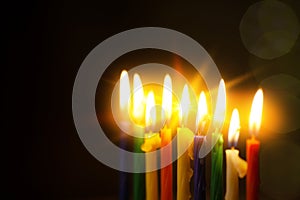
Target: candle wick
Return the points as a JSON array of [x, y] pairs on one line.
[[217, 130], [201, 129], [166, 123]]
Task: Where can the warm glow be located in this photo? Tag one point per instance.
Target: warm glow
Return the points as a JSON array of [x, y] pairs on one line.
[[220, 109], [184, 105], [124, 91], [150, 110], [167, 98], [234, 128], [202, 111], [138, 98], [256, 112]]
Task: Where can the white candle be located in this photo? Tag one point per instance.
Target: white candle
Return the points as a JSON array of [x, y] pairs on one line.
[[235, 166]]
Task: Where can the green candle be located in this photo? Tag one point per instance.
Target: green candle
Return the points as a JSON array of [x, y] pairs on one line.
[[216, 190], [138, 128], [138, 178], [216, 183]]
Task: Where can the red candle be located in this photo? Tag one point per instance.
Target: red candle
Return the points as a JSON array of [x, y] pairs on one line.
[[253, 169], [252, 149], [166, 137]]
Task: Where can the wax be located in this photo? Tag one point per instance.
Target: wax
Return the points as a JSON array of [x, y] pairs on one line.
[[252, 181], [216, 187], [235, 167], [199, 170], [151, 143], [184, 170], [166, 172]]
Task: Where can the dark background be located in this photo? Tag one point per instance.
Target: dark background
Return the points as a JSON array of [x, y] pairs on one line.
[[47, 42]]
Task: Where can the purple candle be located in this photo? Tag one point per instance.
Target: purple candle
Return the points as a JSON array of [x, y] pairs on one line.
[[199, 163], [199, 170]]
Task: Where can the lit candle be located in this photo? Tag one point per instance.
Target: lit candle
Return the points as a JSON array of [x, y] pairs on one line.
[[216, 189], [235, 166], [199, 164], [166, 137], [124, 96], [252, 149], [138, 116], [152, 142], [184, 139]]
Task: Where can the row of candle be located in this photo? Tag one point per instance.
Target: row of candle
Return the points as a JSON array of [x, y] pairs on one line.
[[235, 166]]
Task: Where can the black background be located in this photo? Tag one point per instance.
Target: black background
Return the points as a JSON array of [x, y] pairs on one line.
[[47, 42]]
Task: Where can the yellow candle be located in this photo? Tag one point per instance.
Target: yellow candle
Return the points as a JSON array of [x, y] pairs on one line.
[[235, 166], [184, 150], [152, 142]]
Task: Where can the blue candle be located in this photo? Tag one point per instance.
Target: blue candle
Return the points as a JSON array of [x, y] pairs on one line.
[[124, 178]]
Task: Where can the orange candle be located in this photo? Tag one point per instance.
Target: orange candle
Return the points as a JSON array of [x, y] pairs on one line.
[[166, 137], [252, 148], [166, 172]]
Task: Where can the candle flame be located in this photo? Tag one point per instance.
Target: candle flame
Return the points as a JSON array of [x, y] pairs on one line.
[[150, 110], [234, 128], [138, 98], [185, 105], [124, 91], [256, 112], [202, 112], [167, 98], [220, 109]]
